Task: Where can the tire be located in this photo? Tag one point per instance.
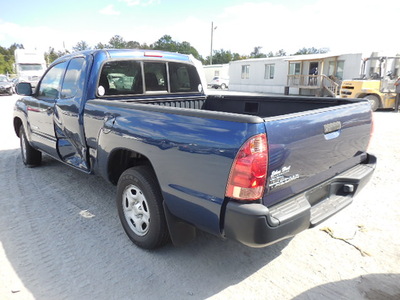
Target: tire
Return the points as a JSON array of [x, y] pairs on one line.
[[374, 101], [223, 86], [140, 208], [30, 156]]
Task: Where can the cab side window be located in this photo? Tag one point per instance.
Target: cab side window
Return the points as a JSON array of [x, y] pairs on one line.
[[73, 80], [50, 85]]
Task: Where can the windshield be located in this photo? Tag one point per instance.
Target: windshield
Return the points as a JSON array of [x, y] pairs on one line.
[[30, 67], [3, 78], [380, 67]]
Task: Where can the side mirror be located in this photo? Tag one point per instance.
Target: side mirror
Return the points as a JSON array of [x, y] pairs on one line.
[[24, 89]]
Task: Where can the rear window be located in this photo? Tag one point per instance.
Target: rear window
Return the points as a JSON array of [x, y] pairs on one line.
[[184, 78], [120, 78], [155, 77], [131, 77]]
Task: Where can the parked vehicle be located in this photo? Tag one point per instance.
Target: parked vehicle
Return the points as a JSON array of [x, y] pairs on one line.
[[29, 65], [256, 169], [376, 82], [6, 86], [219, 83]]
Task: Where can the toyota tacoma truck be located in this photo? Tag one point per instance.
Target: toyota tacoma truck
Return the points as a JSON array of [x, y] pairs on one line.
[[252, 168]]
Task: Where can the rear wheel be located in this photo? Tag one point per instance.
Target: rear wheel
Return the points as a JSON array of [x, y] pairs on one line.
[[140, 208], [374, 101], [30, 156], [223, 86]]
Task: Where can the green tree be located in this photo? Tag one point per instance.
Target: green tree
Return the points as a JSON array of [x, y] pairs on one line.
[[116, 42], [133, 45], [100, 46], [281, 52], [165, 43], [221, 57], [186, 48], [80, 46], [7, 58], [311, 50], [237, 56], [3, 64], [257, 53], [51, 55]]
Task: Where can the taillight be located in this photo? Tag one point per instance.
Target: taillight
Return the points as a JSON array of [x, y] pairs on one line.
[[153, 54], [249, 170]]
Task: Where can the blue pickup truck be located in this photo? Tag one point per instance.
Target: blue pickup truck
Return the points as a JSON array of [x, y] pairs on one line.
[[253, 168]]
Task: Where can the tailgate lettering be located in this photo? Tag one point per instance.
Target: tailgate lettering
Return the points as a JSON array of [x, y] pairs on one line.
[[278, 178]]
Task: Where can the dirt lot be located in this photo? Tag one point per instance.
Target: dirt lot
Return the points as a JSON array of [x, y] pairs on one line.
[[60, 238]]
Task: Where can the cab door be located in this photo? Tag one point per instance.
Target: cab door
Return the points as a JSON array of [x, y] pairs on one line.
[[68, 116], [40, 109]]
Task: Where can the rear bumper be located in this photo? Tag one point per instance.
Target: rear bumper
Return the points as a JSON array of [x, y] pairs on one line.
[[256, 225]]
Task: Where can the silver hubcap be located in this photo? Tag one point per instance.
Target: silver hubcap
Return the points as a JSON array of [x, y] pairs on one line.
[[136, 210]]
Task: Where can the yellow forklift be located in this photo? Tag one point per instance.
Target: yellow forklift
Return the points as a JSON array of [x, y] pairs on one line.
[[376, 82]]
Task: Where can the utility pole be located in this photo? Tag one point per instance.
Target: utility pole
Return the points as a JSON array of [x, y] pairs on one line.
[[212, 34]]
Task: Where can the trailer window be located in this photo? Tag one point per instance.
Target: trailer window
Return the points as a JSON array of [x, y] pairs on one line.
[[245, 72], [294, 69], [269, 72], [340, 68]]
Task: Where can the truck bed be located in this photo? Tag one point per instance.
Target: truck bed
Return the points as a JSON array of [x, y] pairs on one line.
[[311, 152], [261, 106], [304, 142], [192, 141]]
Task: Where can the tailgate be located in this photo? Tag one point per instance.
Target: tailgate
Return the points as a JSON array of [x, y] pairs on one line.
[[308, 148]]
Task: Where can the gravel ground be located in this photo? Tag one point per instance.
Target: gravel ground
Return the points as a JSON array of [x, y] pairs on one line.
[[60, 238]]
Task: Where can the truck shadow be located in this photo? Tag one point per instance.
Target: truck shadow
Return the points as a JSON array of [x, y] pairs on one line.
[[61, 234], [371, 286]]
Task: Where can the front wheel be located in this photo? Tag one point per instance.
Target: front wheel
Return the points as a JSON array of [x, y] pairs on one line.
[[140, 208], [374, 101], [30, 156]]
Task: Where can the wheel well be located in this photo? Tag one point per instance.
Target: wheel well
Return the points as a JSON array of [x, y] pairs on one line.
[[365, 95], [123, 159], [17, 125]]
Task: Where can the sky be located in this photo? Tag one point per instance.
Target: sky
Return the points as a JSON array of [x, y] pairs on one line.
[[342, 26]]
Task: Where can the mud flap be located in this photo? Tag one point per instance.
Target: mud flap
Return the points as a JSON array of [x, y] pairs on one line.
[[179, 231]]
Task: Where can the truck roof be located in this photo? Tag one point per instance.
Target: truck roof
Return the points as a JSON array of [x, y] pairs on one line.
[[128, 53]]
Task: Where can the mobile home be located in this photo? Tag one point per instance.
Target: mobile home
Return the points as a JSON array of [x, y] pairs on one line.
[[212, 71], [314, 74]]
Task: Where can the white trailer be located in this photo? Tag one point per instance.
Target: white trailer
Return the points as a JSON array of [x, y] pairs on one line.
[[29, 65], [308, 75], [212, 71]]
